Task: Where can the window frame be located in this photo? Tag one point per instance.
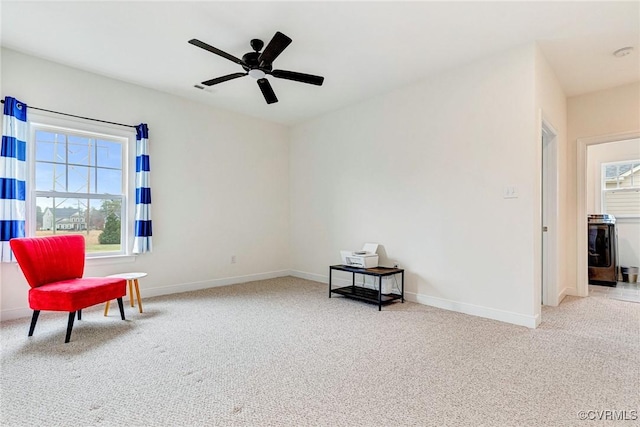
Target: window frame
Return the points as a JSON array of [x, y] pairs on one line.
[[49, 122], [603, 185]]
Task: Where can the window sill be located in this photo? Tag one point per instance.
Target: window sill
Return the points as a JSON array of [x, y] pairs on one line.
[[109, 259]]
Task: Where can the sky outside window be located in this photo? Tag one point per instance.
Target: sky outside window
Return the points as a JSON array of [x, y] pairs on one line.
[[77, 164]]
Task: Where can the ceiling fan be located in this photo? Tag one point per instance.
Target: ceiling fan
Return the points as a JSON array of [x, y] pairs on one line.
[[258, 65]]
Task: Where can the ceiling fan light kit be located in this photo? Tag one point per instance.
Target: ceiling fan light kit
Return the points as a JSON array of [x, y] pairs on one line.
[[258, 65], [257, 74]]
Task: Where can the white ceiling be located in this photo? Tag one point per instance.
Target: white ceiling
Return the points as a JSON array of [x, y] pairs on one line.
[[363, 49]]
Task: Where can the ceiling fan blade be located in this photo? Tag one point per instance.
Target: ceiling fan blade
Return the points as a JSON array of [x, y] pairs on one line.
[[267, 91], [217, 51], [298, 77], [223, 79], [275, 47]]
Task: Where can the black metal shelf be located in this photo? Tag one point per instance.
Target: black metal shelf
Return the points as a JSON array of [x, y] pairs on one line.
[[366, 294]]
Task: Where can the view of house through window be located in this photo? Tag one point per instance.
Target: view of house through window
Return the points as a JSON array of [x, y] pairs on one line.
[[621, 189], [79, 187]]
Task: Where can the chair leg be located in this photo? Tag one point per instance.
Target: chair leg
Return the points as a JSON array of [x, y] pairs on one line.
[[72, 316], [121, 307], [79, 314], [34, 319]]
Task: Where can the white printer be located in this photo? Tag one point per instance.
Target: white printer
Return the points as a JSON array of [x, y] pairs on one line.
[[365, 258]]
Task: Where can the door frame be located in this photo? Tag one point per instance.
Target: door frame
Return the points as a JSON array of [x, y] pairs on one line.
[[582, 261], [549, 204]]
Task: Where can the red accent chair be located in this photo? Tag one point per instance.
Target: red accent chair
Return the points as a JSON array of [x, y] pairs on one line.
[[53, 267]]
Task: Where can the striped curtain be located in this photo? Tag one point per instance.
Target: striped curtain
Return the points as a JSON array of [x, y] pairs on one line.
[[13, 173], [142, 224]]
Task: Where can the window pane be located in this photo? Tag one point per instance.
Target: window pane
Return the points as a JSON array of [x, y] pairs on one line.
[[80, 150], [62, 214], [96, 219], [625, 182], [611, 171], [43, 204], [109, 237], [621, 175], [50, 177], [81, 179], [50, 147], [109, 154], [109, 181]]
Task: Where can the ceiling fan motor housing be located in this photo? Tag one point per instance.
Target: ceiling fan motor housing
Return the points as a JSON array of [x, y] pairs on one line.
[[250, 62]]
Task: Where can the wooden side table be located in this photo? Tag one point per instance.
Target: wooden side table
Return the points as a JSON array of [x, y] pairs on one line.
[[132, 280]]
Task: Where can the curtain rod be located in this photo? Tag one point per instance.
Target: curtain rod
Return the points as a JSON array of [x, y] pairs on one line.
[[78, 117]]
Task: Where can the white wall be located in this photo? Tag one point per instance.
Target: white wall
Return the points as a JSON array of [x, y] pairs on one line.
[[421, 171], [551, 104], [628, 228], [219, 181], [607, 112]]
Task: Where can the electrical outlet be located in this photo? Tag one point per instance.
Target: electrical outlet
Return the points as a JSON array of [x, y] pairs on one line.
[[233, 259]]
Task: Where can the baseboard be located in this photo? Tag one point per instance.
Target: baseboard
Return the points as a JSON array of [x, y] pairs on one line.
[[569, 291], [460, 307], [17, 313], [309, 276], [206, 284], [563, 293], [475, 310]]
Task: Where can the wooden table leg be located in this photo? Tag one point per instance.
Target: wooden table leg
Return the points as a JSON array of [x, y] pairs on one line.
[[106, 308], [130, 291], [138, 295]]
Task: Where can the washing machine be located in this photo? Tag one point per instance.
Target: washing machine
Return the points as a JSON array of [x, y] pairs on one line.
[[603, 259]]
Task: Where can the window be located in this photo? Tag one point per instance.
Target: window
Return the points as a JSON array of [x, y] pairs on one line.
[[79, 187], [621, 189]]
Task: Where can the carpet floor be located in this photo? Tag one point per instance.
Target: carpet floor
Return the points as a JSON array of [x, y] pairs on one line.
[[280, 352]]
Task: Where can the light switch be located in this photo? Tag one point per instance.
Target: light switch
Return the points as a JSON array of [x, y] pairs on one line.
[[510, 192]]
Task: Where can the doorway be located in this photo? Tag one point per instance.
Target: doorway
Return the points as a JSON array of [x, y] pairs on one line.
[[582, 285]]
